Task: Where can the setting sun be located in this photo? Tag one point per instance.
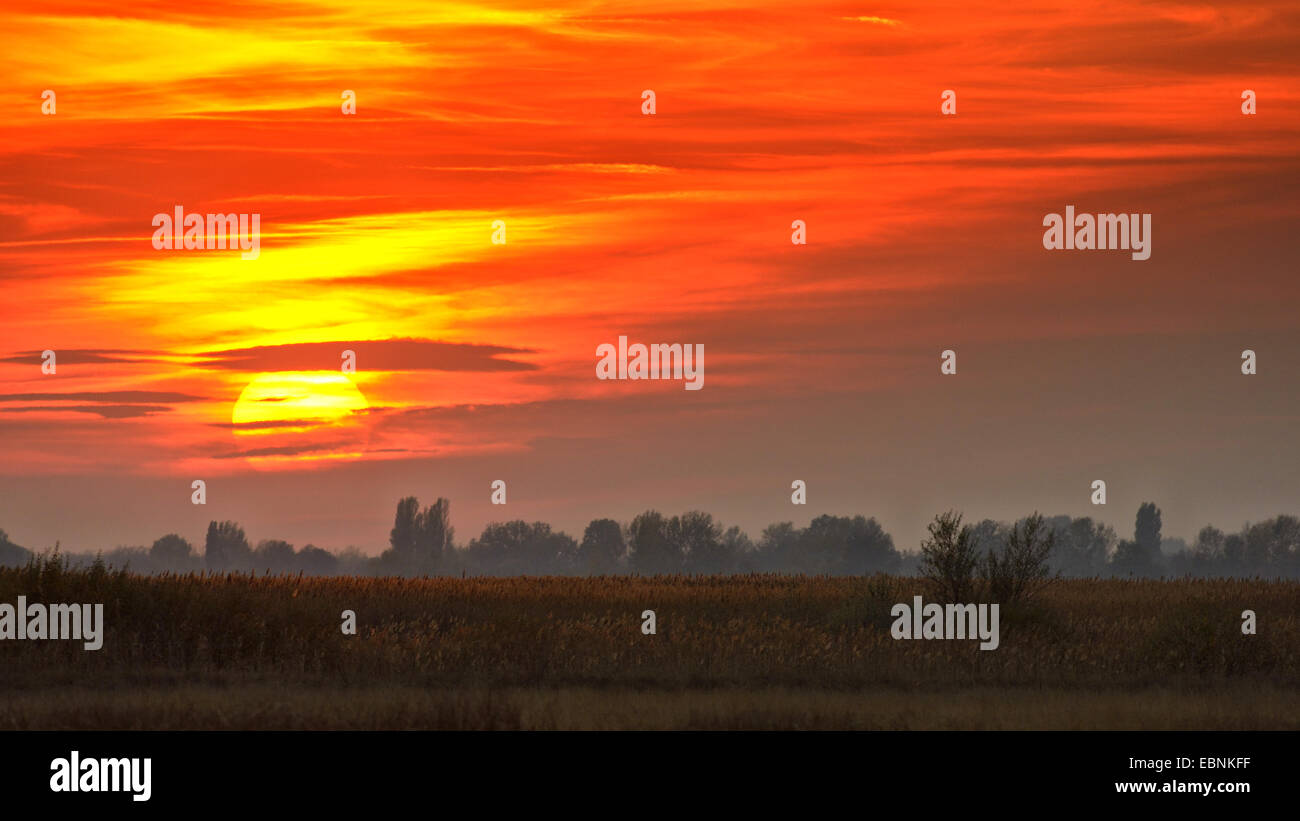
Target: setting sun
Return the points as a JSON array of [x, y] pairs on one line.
[[293, 416]]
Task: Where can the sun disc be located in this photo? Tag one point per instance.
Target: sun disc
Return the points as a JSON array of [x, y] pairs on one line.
[[292, 416]]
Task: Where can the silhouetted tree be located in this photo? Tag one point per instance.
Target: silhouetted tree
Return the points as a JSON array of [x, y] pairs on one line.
[[1082, 545], [1209, 544], [521, 548], [988, 535], [777, 547], [1273, 543], [1130, 559], [402, 538], [1146, 532], [1284, 551], [226, 548], [274, 556], [172, 549], [840, 545], [1020, 568], [315, 561], [737, 545], [1141, 557], [602, 547], [1234, 553], [434, 531], [172, 553], [420, 538], [698, 540], [649, 548], [949, 558]]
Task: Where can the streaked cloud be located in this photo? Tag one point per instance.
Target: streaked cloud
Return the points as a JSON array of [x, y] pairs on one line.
[[374, 355]]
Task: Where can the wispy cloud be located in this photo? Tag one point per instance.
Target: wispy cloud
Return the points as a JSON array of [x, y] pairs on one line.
[[377, 355]]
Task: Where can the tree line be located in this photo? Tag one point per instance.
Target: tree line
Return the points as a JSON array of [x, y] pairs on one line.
[[422, 542]]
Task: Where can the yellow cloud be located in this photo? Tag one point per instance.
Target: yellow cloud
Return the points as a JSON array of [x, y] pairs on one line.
[[881, 21]]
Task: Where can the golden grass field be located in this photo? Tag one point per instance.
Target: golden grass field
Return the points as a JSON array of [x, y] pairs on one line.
[[732, 652]]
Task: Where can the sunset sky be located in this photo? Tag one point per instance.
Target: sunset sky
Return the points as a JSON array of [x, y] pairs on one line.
[[476, 361]]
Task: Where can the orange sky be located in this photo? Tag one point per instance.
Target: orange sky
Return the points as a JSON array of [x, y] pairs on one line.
[[924, 234]]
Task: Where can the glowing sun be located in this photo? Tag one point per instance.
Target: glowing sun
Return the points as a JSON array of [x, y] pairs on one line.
[[291, 417]]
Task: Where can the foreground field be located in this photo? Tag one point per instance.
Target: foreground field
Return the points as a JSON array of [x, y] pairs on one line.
[[258, 707], [730, 652]]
